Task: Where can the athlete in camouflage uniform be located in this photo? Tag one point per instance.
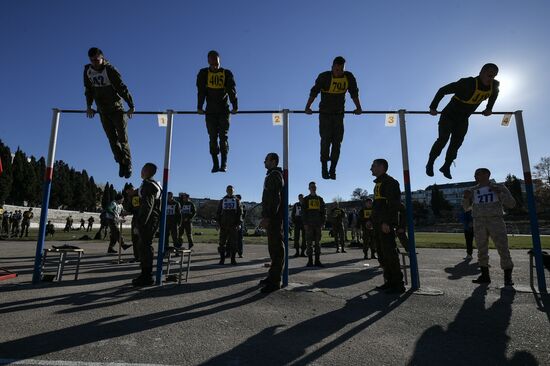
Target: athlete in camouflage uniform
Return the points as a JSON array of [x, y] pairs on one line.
[[272, 219], [216, 85], [27, 217], [188, 212], [333, 86], [314, 215], [229, 217], [453, 123], [365, 218], [487, 201], [113, 217], [103, 84], [338, 217], [299, 231], [173, 220], [148, 219], [387, 199]]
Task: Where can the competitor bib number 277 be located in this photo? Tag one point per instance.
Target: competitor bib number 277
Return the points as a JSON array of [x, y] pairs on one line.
[[485, 195]]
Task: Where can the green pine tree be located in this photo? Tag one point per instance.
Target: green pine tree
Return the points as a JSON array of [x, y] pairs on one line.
[[6, 177]]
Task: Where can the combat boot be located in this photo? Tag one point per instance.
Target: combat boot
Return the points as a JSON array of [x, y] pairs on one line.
[[332, 171], [222, 258], [318, 261], [233, 261], [508, 277], [484, 277], [215, 163], [324, 170], [310, 261], [446, 170], [128, 170], [430, 167], [144, 278], [223, 165]]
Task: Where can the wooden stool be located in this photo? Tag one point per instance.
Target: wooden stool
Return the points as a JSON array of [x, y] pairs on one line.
[[182, 253], [63, 252]]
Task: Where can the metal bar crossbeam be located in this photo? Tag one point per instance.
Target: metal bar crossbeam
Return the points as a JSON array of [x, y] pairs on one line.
[[295, 111], [170, 113]]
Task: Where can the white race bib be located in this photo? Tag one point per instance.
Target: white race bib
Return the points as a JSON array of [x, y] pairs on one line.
[[229, 204], [98, 78], [186, 209], [170, 209], [485, 195], [298, 211]]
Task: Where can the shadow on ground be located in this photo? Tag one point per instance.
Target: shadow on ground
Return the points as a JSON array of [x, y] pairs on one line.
[[477, 336]]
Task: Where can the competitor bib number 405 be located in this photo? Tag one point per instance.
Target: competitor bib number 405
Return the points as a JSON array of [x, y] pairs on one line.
[[215, 80]]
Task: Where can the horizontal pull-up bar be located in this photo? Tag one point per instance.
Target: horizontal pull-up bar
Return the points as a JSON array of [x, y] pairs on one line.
[[281, 111], [285, 119], [78, 111]]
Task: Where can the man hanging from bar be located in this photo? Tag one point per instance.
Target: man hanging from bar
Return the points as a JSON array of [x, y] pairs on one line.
[[215, 85], [453, 123], [333, 86], [103, 84]]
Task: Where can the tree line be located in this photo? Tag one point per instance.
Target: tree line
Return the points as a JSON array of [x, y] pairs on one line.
[[21, 182]]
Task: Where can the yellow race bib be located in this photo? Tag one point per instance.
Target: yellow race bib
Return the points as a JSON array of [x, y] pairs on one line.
[[378, 192], [314, 204], [478, 96], [135, 201], [338, 85], [215, 80], [367, 213]]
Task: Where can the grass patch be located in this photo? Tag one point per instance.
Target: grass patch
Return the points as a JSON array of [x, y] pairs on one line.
[[210, 235]]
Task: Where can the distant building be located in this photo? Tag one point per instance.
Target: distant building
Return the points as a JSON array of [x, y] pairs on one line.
[[452, 192]]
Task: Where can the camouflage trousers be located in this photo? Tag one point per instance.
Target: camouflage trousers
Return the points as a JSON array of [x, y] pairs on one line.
[[495, 228], [313, 240]]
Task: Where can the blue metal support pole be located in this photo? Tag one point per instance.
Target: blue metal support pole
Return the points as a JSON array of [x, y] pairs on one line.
[[36, 276], [164, 197], [285, 191], [537, 250], [415, 278]]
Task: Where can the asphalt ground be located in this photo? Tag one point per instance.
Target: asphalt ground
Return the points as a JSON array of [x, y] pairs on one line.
[[327, 316]]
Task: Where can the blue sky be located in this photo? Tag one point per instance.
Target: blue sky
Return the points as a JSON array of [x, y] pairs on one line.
[[401, 52]]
